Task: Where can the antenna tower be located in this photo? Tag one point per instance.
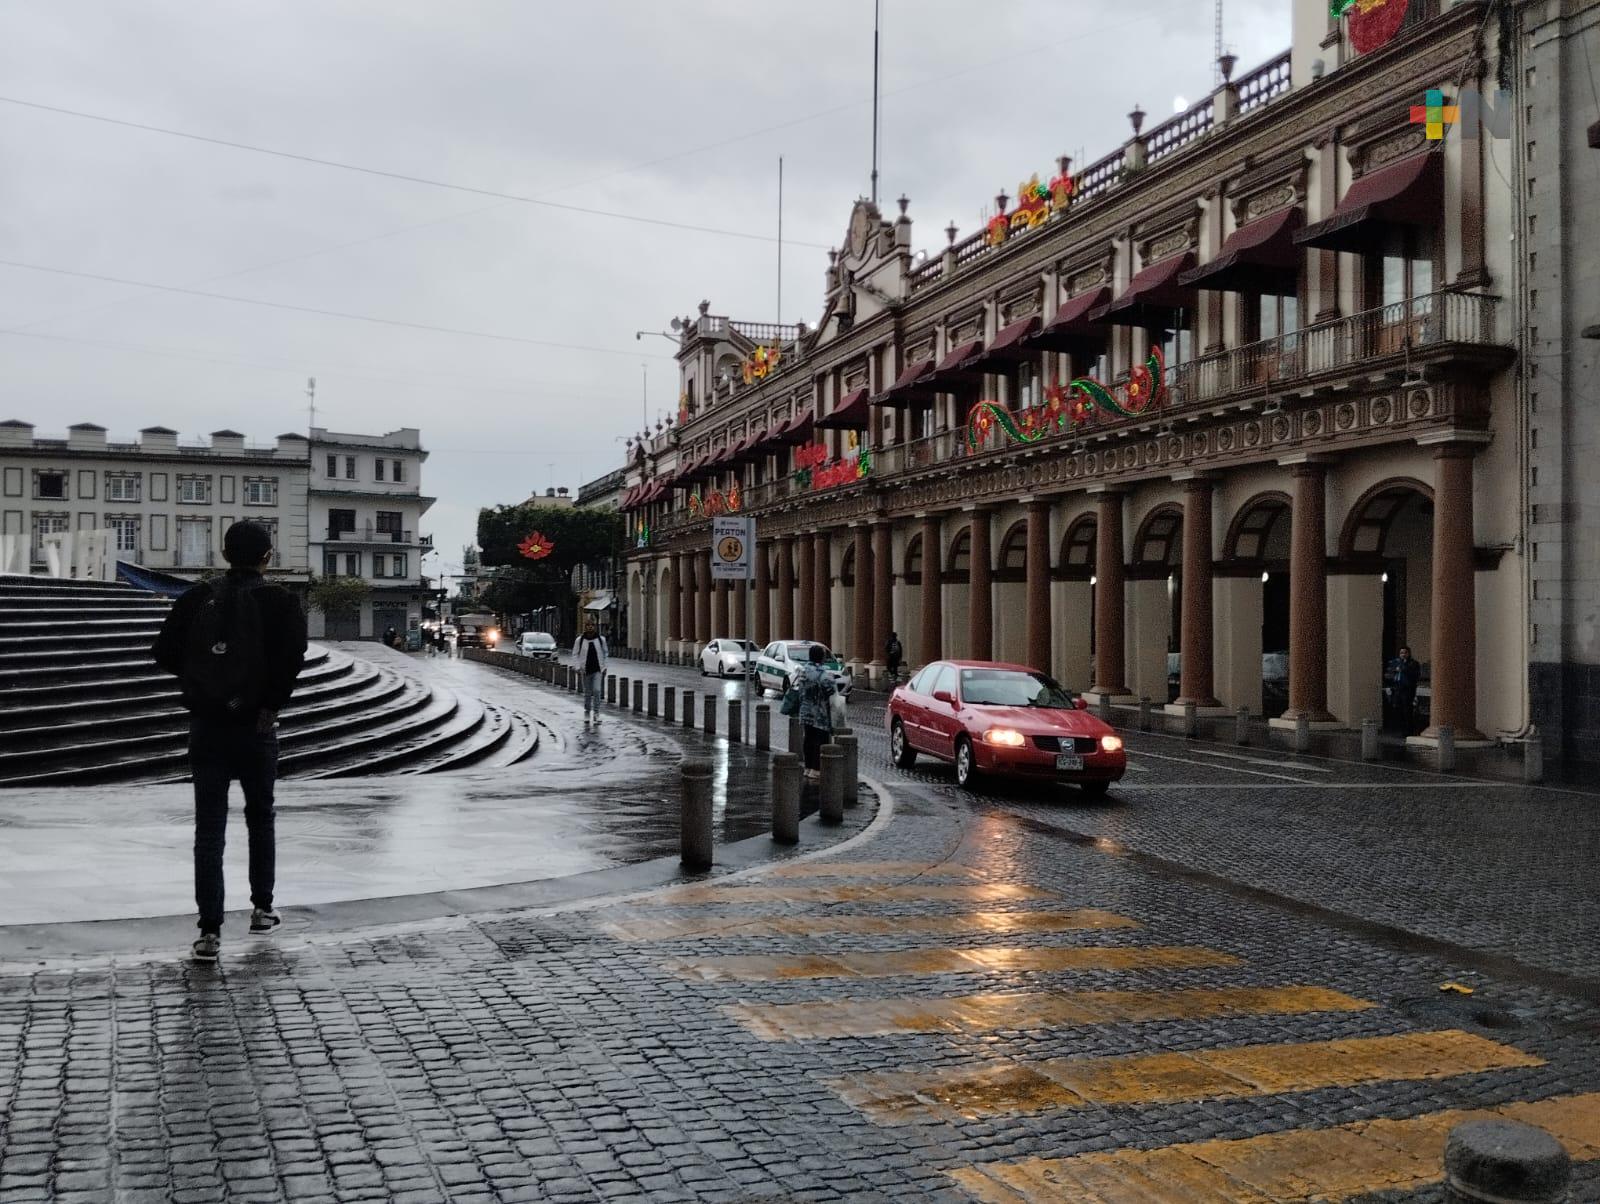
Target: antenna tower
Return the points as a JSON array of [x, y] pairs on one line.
[[1216, 57]]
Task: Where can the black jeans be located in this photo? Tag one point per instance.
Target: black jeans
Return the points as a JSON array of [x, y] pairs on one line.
[[220, 753], [814, 739]]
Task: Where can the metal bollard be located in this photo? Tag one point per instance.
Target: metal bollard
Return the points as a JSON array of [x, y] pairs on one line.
[[1144, 713], [1533, 759], [710, 715], [796, 736], [669, 704], [763, 726], [638, 695], [1369, 739], [695, 818], [1302, 733], [832, 802], [651, 698], [611, 688], [735, 721], [1496, 1161], [622, 692], [1191, 720], [1241, 726], [785, 798], [852, 766], [688, 708], [1447, 749]]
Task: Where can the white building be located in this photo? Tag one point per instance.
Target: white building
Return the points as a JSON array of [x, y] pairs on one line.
[[166, 502], [365, 509]]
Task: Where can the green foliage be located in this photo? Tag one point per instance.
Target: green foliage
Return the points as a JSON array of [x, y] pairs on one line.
[[581, 535], [338, 596]]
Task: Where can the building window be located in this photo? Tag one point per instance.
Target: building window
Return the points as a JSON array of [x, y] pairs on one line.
[[47, 523], [352, 564], [377, 564], [261, 491], [349, 468], [389, 524], [194, 543], [49, 483], [333, 467], [1274, 316], [377, 469], [271, 524], [1403, 271], [1028, 393], [126, 528], [122, 486], [339, 522], [399, 473], [397, 564], [330, 564], [194, 489]]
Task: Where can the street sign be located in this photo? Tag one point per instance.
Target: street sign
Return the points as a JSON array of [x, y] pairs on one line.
[[733, 545]]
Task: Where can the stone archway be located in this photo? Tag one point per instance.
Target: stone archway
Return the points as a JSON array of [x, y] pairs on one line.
[[1011, 595], [958, 600], [1155, 602], [1072, 604], [908, 599], [1251, 607], [844, 601]]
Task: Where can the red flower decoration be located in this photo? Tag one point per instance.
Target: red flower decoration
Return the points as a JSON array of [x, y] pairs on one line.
[[536, 547]]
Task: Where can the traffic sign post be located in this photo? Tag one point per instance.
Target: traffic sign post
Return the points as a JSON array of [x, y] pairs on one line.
[[733, 550]]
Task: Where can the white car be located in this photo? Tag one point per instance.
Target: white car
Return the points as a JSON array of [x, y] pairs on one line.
[[727, 658], [781, 660], [540, 645]]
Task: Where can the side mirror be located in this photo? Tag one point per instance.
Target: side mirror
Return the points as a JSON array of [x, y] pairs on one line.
[[1080, 703], [945, 697]]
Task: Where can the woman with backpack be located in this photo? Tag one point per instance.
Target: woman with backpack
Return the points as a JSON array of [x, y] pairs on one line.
[[816, 690]]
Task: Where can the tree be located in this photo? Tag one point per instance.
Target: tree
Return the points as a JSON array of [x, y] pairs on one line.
[[338, 597], [581, 535]]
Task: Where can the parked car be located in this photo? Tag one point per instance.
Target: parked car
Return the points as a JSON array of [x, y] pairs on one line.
[[728, 658], [989, 717], [478, 631], [782, 659], [540, 645]]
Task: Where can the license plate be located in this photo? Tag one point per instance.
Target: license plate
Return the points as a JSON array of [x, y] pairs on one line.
[[1069, 761]]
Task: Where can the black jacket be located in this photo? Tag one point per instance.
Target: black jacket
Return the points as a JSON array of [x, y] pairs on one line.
[[283, 631]]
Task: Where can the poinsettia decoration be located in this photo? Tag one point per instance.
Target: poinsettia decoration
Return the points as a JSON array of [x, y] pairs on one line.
[[1372, 22], [536, 546]]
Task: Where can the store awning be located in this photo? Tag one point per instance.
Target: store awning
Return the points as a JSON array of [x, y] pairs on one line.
[[960, 366], [1154, 296], [1407, 193], [1260, 257], [1072, 329], [910, 387], [1010, 346], [751, 447], [629, 498], [853, 413], [601, 601], [796, 431]]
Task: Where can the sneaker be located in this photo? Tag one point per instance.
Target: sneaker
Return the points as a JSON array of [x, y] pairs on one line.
[[263, 920], [207, 947], [597, 719]]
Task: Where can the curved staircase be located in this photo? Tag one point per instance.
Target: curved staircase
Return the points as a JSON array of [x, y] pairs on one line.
[[81, 701]]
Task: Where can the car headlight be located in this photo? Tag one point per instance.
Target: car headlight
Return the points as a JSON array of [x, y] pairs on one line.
[[1005, 736], [1111, 743]]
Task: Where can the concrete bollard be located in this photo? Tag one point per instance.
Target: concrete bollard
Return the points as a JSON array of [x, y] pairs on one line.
[[852, 766], [796, 736], [832, 801], [763, 726], [688, 708], [695, 818], [638, 695], [1191, 720], [1241, 726], [622, 692], [652, 697], [611, 688], [1302, 733], [1533, 760], [735, 721], [1105, 707], [785, 798], [1504, 1162], [1144, 713], [1447, 749], [669, 704], [710, 715], [1369, 739]]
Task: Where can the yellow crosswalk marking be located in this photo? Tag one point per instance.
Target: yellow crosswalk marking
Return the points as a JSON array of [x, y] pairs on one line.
[[871, 869], [933, 892], [1008, 1088], [1300, 1165], [820, 1019], [766, 967], [636, 927]]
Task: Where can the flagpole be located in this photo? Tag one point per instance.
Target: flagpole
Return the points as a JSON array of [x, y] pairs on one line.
[[876, 4], [780, 241]]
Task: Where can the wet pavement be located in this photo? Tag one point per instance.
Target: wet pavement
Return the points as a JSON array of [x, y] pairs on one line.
[[1223, 984]]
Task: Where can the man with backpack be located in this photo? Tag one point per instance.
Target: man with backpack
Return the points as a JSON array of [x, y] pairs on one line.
[[236, 645], [893, 654]]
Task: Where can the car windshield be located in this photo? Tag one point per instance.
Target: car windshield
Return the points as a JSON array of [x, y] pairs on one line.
[[799, 653], [1012, 688], [543, 639]]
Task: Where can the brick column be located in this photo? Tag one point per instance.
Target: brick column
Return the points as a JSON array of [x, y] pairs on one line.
[[822, 583], [785, 616], [805, 564], [762, 631], [882, 588], [1453, 657], [932, 589], [861, 637], [738, 606], [675, 603], [1196, 682], [1110, 638], [1039, 585], [1308, 595], [719, 609], [980, 587], [702, 597]]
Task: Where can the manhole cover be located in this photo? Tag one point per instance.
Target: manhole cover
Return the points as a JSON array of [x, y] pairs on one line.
[[1476, 1011]]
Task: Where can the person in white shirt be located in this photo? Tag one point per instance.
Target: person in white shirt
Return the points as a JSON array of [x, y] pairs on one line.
[[589, 654]]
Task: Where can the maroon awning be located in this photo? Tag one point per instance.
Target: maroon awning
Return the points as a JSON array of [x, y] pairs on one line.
[[796, 431], [751, 447], [1153, 296], [1407, 193], [650, 493], [959, 367], [1010, 346], [910, 387], [1256, 258], [1072, 329], [628, 498], [851, 414]]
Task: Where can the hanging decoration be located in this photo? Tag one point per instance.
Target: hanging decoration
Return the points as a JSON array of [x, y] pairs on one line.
[[644, 536], [814, 471], [716, 502], [536, 546], [1035, 203], [683, 407], [1070, 405], [762, 363], [1372, 22]]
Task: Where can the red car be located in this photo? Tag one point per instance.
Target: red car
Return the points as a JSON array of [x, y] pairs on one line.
[[995, 718]]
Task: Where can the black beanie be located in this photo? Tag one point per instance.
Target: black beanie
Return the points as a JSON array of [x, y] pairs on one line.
[[246, 544]]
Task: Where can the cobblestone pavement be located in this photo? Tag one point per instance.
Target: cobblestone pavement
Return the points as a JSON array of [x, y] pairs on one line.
[[965, 1002]]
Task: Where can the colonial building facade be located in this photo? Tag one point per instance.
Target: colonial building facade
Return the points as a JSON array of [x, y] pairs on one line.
[[1224, 418]]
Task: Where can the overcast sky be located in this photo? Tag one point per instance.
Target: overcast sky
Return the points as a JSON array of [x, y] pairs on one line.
[[676, 112]]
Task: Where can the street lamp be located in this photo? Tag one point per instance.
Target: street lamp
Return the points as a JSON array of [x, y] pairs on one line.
[[660, 334]]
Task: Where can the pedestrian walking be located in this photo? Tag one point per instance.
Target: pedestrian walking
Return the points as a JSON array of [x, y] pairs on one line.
[[236, 645], [1404, 673], [816, 690], [388, 637], [589, 654], [893, 654]]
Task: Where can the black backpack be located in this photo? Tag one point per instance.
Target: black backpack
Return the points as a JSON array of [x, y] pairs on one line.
[[894, 649], [223, 661]]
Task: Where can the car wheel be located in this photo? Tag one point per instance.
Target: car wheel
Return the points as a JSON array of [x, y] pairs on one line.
[[900, 748], [703, 672], [966, 765], [1095, 789]]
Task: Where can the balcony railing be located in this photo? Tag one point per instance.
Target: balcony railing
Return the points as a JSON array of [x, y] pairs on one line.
[[367, 534], [1266, 82]]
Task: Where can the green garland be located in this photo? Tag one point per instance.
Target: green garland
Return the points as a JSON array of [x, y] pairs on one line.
[[1087, 397]]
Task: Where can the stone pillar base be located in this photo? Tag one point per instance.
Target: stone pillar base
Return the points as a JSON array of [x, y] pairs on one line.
[[1430, 739], [1286, 724], [1178, 708], [1097, 698]]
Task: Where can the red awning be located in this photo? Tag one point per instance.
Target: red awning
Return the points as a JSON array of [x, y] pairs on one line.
[[1407, 193], [909, 387], [629, 497], [751, 447], [1010, 346], [796, 431], [649, 494], [959, 367], [1256, 258], [1153, 296], [851, 414], [1072, 329]]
